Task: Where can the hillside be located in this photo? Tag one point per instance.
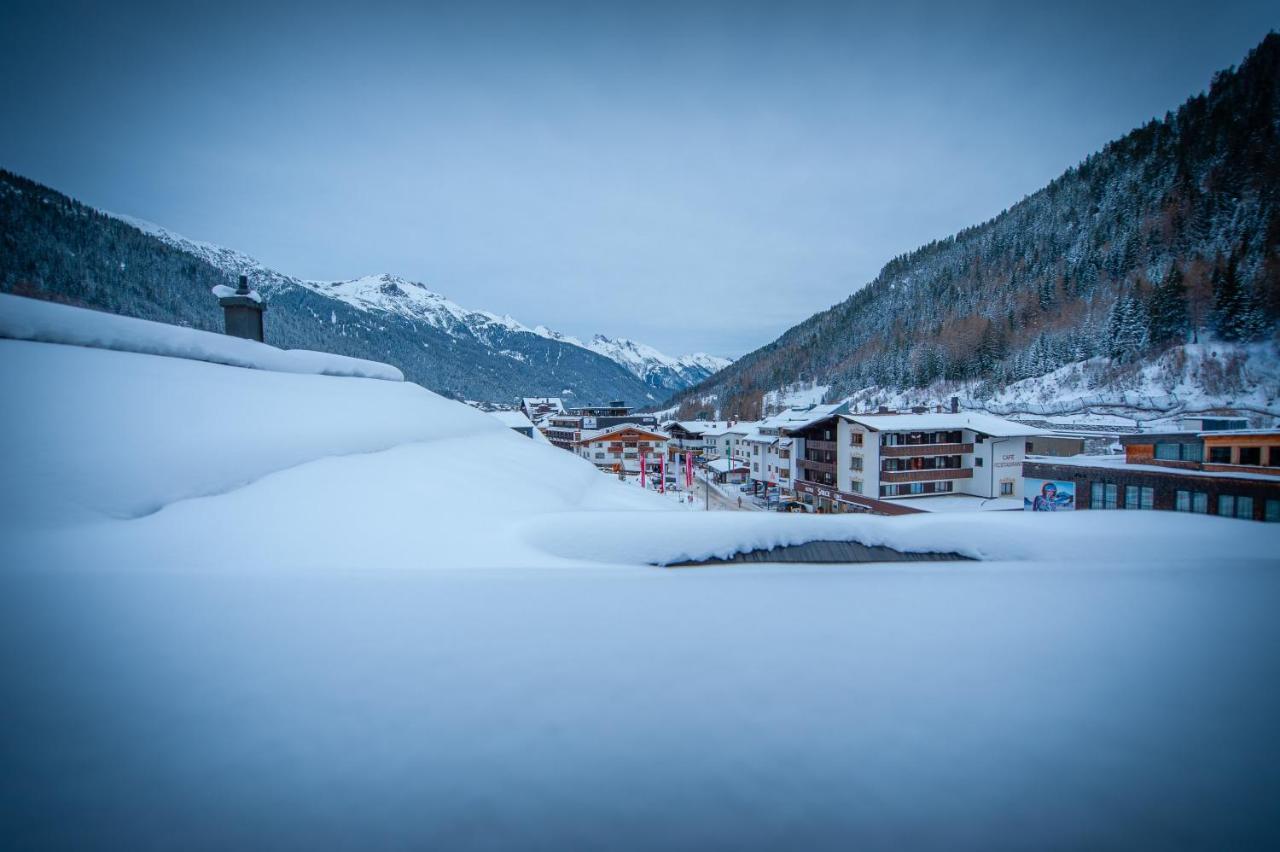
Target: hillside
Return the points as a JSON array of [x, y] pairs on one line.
[[1169, 235], [59, 249]]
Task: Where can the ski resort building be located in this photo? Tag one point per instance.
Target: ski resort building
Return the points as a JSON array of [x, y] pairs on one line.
[[1234, 473], [567, 428], [621, 449], [885, 463]]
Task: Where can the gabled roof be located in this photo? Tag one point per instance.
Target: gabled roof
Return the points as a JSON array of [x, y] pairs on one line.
[[623, 427], [799, 418]]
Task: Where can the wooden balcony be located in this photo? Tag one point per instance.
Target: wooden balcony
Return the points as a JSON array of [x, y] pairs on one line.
[[816, 466], [815, 444], [912, 450], [891, 476]]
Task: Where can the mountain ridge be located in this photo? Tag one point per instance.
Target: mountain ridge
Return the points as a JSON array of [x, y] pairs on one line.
[[411, 299], [56, 248], [1167, 235]]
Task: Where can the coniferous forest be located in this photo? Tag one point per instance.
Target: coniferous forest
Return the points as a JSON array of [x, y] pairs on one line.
[[1166, 236]]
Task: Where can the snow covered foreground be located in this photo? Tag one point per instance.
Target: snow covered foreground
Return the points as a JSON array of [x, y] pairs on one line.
[[240, 609], [32, 319]]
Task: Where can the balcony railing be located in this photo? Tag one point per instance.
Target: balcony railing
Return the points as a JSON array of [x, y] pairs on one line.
[[816, 466], [889, 476], [901, 450], [815, 444]]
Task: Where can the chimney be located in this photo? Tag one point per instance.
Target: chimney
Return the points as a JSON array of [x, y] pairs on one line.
[[955, 405], [242, 312]]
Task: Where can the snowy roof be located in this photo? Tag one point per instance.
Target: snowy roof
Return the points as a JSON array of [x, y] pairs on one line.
[[754, 434], [987, 424], [1244, 433], [703, 427], [601, 433], [798, 418], [536, 401], [1119, 463], [513, 419], [726, 465]]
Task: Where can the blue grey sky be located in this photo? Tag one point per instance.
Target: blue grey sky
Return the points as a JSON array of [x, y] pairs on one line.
[[696, 176]]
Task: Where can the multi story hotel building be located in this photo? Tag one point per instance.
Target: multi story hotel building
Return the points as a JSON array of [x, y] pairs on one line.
[[880, 462]]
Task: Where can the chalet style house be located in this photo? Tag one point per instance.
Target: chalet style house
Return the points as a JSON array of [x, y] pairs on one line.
[[620, 449], [566, 428]]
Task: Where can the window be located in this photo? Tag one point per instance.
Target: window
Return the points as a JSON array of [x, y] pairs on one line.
[[1220, 455], [1102, 495], [1175, 451], [1006, 489], [1272, 511], [977, 461], [856, 488], [1139, 497], [1192, 501], [855, 463], [855, 440], [1251, 455], [784, 473], [1239, 507], [600, 455], [1273, 457]]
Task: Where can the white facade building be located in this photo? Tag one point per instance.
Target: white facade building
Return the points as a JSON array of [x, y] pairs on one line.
[[857, 462]]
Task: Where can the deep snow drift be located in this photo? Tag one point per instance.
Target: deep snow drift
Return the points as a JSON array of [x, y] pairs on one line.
[[242, 608]]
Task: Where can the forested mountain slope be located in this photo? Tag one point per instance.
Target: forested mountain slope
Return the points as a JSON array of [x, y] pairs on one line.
[[54, 247], [1168, 235]]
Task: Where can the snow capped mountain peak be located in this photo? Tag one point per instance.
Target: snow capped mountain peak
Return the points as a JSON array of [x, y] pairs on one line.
[[655, 368], [387, 293], [410, 299]]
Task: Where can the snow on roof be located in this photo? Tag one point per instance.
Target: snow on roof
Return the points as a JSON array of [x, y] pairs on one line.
[[602, 433], [1264, 433], [726, 465], [996, 427], [1119, 463], [46, 322], [717, 430], [799, 418], [513, 419], [702, 427]]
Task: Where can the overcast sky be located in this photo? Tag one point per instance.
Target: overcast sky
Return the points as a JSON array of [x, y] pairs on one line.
[[694, 176]]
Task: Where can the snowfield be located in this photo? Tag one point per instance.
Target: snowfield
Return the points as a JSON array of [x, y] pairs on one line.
[[245, 608]]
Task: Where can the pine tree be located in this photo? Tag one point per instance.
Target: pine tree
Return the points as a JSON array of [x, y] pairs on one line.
[[1167, 310], [1127, 328], [1229, 302]]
